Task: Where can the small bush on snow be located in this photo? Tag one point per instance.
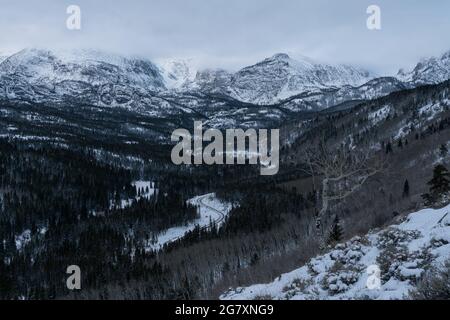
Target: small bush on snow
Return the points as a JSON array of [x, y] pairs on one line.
[[340, 277], [395, 237], [395, 261], [435, 285]]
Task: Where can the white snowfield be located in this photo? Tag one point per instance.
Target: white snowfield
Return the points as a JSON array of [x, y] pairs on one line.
[[401, 253], [211, 210]]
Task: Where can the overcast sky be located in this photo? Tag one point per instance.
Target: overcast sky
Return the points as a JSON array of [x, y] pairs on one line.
[[236, 33]]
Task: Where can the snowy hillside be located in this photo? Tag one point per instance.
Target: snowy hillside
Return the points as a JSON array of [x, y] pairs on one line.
[[96, 77], [428, 71], [91, 66], [280, 77], [399, 254], [277, 78], [177, 73]]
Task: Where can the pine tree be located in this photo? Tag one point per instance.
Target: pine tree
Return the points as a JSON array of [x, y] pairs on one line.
[[443, 151], [388, 148], [254, 260], [439, 185], [336, 232], [406, 189]]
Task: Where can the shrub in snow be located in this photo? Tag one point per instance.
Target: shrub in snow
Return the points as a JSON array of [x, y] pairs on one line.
[[312, 267], [396, 237], [438, 242], [344, 272], [297, 286], [396, 261], [435, 285], [340, 281]]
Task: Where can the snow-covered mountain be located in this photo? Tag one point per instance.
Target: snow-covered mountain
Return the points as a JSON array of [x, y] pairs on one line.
[[280, 77], [99, 78], [177, 73], [277, 78], [262, 93], [428, 71], [168, 88], [398, 256]]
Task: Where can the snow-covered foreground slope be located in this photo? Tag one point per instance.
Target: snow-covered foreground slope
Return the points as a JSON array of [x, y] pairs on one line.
[[211, 210], [398, 256]]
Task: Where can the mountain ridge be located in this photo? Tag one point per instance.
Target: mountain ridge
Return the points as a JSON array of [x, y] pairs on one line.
[[163, 88]]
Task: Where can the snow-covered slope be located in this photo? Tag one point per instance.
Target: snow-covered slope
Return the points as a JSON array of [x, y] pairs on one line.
[[177, 73], [211, 210], [428, 71], [277, 78], [3, 56], [280, 77], [93, 67], [98, 77], [212, 81], [398, 256], [329, 97]]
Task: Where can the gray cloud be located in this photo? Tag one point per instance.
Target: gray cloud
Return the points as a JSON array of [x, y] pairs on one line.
[[235, 33]]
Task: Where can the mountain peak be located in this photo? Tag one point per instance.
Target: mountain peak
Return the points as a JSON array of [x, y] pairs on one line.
[[281, 56], [446, 55], [280, 77]]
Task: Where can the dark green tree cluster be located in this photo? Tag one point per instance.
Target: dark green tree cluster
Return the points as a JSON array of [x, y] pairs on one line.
[[439, 187]]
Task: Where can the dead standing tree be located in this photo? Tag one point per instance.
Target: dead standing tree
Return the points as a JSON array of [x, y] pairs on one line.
[[343, 171]]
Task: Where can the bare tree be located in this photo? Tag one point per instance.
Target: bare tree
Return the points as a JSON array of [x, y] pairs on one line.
[[343, 171]]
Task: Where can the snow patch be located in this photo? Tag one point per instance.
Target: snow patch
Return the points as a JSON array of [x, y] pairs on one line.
[[211, 210], [379, 115]]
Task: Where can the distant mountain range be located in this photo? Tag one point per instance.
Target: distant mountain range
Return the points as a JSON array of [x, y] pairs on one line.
[[274, 79], [271, 90]]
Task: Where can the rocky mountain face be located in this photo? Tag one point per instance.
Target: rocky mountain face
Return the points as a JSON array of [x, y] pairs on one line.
[[177, 72], [304, 84], [428, 71], [280, 77], [92, 77], [271, 80], [344, 96]]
